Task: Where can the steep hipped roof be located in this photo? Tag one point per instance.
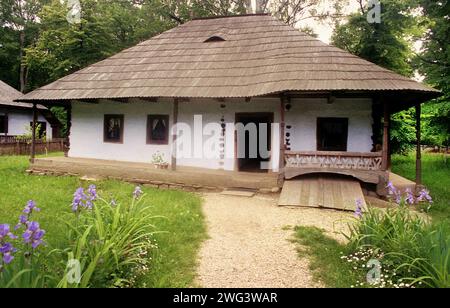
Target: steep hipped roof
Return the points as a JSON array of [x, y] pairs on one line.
[[250, 56], [8, 94]]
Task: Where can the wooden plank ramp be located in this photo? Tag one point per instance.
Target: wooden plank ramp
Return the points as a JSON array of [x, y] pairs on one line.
[[322, 191]]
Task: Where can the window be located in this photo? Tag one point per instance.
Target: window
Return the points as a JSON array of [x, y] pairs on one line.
[[113, 128], [158, 129], [214, 38], [41, 130], [3, 124], [332, 134]]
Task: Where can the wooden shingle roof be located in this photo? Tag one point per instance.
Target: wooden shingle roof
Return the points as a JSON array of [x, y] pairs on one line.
[[8, 94], [258, 55]]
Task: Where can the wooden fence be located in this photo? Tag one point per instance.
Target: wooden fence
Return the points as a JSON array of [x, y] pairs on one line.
[[10, 145]]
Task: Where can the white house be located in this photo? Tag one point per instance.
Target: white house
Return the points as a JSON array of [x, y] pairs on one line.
[[16, 117], [325, 110]]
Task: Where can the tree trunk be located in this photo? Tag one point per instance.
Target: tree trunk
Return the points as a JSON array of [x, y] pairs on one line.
[[22, 76]]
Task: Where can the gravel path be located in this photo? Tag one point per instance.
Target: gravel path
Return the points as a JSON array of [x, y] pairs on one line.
[[249, 242]]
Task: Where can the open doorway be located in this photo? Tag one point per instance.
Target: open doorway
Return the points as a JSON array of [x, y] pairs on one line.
[[256, 145]]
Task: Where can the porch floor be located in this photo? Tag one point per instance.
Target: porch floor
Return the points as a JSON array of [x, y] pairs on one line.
[[183, 177]]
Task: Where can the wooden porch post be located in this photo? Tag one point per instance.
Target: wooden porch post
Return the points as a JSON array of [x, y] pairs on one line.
[[33, 134], [418, 149], [173, 164], [283, 102], [386, 124], [69, 128]]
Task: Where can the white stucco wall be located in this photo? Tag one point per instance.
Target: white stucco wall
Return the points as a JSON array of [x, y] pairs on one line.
[[303, 119], [86, 137], [18, 120]]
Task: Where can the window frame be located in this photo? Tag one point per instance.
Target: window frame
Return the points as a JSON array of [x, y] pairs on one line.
[[150, 119], [320, 120], [106, 118]]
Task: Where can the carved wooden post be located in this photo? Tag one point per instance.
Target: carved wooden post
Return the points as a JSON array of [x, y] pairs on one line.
[[385, 151], [418, 149], [173, 164], [283, 102], [33, 134], [69, 126]]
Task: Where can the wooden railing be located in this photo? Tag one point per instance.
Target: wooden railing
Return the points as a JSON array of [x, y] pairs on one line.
[[334, 160]]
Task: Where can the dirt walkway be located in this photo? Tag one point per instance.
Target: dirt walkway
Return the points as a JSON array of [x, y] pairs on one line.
[[249, 242]]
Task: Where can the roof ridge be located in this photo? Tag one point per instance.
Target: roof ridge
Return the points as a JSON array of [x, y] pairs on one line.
[[229, 16]]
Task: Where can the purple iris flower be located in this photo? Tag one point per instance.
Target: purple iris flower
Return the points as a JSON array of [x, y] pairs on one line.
[[33, 235], [5, 231], [393, 191], [359, 208], [23, 221], [30, 207], [137, 192], [92, 191], [79, 197], [6, 250], [391, 188], [82, 199], [410, 197], [424, 195]]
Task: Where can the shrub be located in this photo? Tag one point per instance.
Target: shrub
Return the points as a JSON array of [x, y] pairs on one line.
[[414, 252]]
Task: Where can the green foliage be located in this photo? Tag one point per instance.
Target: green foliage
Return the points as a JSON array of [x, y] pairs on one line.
[[388, 43], [173, 261], [9, 57], [58, 48], [411, 250], [28, 135], [436, 177], [434, 60], [391, 230], [434, 63], [61, 114], [112, 243], [403, 131], [419, 252]]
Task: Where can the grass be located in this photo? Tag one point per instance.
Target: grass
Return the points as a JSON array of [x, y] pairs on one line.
[[436, 177], [324, 254], [174, 262]]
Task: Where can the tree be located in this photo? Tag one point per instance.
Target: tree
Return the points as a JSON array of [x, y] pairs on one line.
[[291, 12], [389, 43], [19, 18], [105, 27], [434, 63]]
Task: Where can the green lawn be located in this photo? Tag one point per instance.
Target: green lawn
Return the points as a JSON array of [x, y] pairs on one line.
[[174, 262], [436, 177]]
